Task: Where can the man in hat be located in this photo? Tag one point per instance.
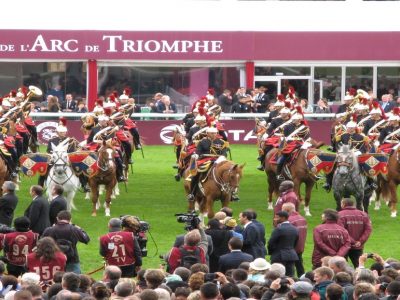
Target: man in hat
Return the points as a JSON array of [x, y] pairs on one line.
[[233, 259], [376, 123], [282, 243], [286, 195], [389, 136], [301, 290], [197, 131], [8, 203], [348, 99]]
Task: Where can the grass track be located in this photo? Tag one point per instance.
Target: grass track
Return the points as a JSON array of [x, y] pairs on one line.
[[155, 196]]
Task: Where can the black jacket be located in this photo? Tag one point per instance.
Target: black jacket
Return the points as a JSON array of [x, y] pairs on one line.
[[233, 260], [38, 214], [56, 205], [8, 203], [282, 243], [252, 241], [70, 232]]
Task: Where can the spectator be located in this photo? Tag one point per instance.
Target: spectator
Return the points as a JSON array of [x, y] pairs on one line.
[[81, 107], [46, 260], [22, 295], [233, 259], [126, 253], [301, 224], [111, 276], [286, 195], [8, 203], [154, 278], [57, 204], [69, 105], [261, 229], [29, 278], [257, 270], [322, 107], [345, 281], [16, 249], [387, 104], [53, 105], [330, 239], [67, 235], [262, 100], [363, 288], [252, 239], [165, 106], [36, 291], [156, 101], [334, 292], [301, 290], [282, 243], [307, 109], [38, 210], [209, 291], [225, 101], [358, 225], [339, 264], [322, 277], [231, 225], [124, 289], [220, 239]]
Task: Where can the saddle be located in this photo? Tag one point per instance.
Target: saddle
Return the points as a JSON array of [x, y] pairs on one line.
[[274, 158]]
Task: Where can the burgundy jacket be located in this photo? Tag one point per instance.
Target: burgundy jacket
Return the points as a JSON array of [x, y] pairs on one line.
[[300, 223], [286, 197], [330, 239], [357, 223]]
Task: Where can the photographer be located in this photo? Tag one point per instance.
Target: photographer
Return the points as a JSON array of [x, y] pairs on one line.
[[67, 235], [193, 251], [121, 248]]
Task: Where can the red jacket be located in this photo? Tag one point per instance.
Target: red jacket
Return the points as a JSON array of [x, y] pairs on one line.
[[174, 259], [286, 197], [357, 223], [330, 239], [300, 223]]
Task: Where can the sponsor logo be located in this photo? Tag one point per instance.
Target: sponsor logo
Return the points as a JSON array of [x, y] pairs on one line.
[[46, 131]]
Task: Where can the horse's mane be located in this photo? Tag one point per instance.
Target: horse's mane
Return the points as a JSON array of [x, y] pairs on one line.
[[346, 150]]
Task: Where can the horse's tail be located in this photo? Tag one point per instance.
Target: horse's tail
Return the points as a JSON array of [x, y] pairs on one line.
[[384, 190]]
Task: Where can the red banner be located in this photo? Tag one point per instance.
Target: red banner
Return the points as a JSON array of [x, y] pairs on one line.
[[161, 132]]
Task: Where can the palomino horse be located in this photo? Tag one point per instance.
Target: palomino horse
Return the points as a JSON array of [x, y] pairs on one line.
[[221, 180], [348, 179], [61, 173], [387, 185], [106, 175]]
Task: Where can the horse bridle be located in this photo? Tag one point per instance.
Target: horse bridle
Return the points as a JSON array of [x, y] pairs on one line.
[[224, 186], [106, 167], [65, 164]]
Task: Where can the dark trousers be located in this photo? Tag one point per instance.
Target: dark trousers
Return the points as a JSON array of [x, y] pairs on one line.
[[128, 271], [354, 255], [299, 265], [289, 266], [15, 270]]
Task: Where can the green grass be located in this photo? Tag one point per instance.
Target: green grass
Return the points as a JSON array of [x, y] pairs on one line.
[[155, 196]]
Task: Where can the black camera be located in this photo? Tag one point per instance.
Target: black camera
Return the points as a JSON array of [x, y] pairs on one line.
[[140, 234], [191, 220], [210, 277], [370, 255]]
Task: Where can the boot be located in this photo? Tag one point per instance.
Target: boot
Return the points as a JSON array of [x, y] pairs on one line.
[[328, 184], [261, 167], [279, 168], [120, 170], [178, 177]]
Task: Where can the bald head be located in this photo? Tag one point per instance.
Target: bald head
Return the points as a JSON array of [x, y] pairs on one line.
[[288, 207]]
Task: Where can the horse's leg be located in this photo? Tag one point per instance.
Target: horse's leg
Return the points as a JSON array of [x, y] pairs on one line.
[[209, 206], [226, 200], [338, 199], [393, 199], [109, 190], [271, 189], [95, 198], [309, 187]]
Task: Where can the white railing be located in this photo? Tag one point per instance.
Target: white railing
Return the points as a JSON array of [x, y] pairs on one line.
[[40, 115]]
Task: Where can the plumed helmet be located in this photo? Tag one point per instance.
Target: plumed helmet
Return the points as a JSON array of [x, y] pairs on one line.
[[351, 124], [61, 129], [212, 130]]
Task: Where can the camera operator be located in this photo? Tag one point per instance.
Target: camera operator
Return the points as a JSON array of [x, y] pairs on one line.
[[121, 248], [67, 235], [194, 248]]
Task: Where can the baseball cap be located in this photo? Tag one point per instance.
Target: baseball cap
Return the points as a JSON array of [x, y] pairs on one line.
[[302, 287]]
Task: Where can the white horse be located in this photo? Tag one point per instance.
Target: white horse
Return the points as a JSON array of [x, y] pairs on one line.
[[61, 173]]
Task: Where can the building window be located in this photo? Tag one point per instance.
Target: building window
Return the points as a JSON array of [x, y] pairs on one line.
[[183, 84], [331, 82], [388, 81], [359, 78], [282, 71]]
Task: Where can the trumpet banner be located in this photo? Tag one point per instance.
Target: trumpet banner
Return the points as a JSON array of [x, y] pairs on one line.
[[84, 162], [34, 163], [318, 161], [374, 164]]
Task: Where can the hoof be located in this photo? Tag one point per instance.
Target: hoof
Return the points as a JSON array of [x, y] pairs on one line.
[[270, 207], [107, 212], [113, 197], [377, 207], [94, 214], [307, 212], [87, 197], [393, 214], [97, 205]]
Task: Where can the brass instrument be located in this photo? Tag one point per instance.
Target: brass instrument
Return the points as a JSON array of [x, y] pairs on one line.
[[33, 92], [360, 95]]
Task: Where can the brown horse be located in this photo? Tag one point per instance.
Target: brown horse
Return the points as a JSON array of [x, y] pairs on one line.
[[300, 173], [106, 175], [387, 185], [4, 173], [220, 181]]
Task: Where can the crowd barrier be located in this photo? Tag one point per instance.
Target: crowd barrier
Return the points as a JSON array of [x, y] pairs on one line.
[[157, 129]]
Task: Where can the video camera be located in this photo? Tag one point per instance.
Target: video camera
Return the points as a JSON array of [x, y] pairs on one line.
[[191, 220], [140, 234]]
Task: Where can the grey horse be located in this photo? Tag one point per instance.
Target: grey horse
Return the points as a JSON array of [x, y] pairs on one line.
[[348, 179]]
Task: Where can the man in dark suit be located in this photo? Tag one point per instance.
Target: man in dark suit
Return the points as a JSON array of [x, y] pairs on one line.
[[262, 100], [282, 243], [38, 210], [57, 204], [386, 104], [348, 99], [8, 203], [69, 105], [233, 259], [252, 239]]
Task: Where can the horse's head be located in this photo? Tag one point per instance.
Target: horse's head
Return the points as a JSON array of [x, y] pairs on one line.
[[59, 158], [106, 156], [234, 174], [346, 160]]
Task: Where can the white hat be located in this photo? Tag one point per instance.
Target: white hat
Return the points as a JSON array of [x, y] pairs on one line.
[[103, 118], [6, 103], [284, 110], [98, 109], [61, 128], [348, 97], [109, 104], [212, 130], [260, 264], [30, 278], [297, 117], [375, 111], [279, 104], [394, 118], [351, 124], [123, 97], [200, 118]]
